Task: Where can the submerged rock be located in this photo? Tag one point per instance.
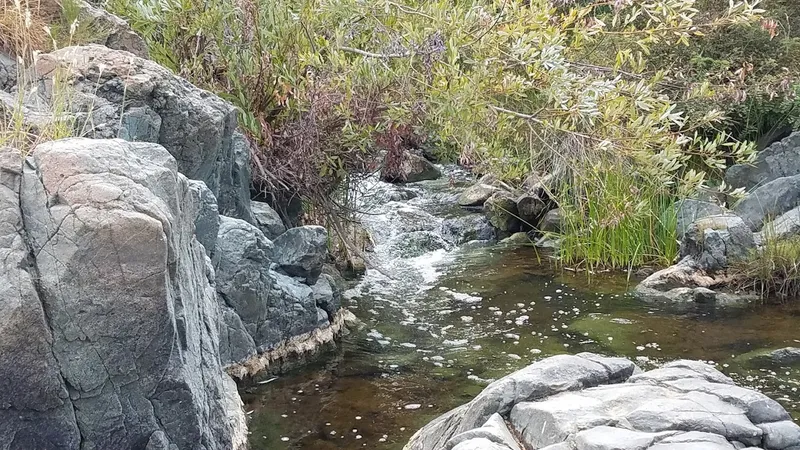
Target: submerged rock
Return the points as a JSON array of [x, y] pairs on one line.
[[301, 252], [589, 401], [417, 243], [501, 210], [459, 230], [110, 323]]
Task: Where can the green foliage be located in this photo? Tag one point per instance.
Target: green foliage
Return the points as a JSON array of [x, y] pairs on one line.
[[616, 223], [505, 86]]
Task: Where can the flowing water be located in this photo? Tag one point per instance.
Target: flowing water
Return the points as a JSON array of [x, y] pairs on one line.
[[442, 321]]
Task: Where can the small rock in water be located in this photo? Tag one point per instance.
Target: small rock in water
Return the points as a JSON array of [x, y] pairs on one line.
[[513, 356], [466, 319], [285, 439], [413, 406], [408, 345], [535, 351]]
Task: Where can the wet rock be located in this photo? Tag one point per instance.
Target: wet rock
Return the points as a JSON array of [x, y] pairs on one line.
[[684, 405], [128, 348], [501, 210], [327, 295], [459, 230], [519, 238], [409, 218], [412, 169], [780, 435], [715, 242], [267, 220], [691, 210], [531, 209], [769, 201], [551, 222], [477, 194], [417, 243], [781, 159], [117, 94], [685, 282], [301, 252], [787, 356]]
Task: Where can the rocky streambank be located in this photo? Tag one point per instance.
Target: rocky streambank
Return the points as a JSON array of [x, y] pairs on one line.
[[713, 238], [591, 402], [137, 275]]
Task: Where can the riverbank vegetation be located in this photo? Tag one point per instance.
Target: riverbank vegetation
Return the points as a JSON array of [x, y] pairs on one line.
[[630, 105]]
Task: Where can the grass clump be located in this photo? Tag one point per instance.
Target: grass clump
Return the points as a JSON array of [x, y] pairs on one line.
[[618, 220], [773, 270], [29, 116]]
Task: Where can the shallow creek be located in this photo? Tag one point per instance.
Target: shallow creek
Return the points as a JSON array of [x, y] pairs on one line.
[[442, 321]]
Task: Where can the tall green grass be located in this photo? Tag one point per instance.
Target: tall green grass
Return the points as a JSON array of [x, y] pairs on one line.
[[617, 220]]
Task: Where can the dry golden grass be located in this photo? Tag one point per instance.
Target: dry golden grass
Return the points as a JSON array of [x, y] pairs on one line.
[[23, 25]]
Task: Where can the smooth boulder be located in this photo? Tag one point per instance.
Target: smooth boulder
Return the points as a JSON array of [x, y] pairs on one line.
[[477, 194], [592, 402]]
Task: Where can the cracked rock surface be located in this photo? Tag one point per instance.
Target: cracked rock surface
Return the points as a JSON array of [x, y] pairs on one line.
[[108, 320], [592, 402]]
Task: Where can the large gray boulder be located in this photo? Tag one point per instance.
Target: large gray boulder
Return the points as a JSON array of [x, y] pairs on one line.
[[301, 252], [717, 241], [784, 227], [769, 201], [781, 159], [591, 402], [109, 328], [118, 95]]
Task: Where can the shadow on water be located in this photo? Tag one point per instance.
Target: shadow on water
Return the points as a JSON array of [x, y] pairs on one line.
[[452, 321]]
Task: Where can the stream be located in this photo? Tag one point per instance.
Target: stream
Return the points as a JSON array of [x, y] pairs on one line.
[[442, 321]]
